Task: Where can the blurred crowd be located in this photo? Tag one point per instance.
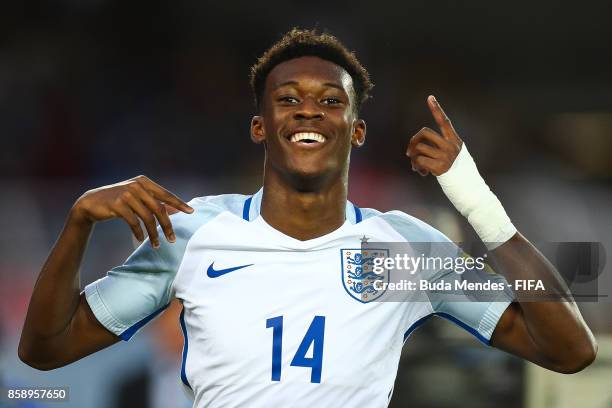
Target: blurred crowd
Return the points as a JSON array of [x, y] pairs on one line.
[[99, 91]]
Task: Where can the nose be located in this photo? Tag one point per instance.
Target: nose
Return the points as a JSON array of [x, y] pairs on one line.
[[309, 110]]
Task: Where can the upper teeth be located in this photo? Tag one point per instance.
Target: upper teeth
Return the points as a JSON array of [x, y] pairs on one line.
[[298, 137]]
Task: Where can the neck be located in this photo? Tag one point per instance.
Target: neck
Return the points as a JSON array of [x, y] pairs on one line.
[[303, 215]]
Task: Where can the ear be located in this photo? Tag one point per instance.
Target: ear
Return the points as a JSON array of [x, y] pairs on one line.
[[258, 134], [359, 133]]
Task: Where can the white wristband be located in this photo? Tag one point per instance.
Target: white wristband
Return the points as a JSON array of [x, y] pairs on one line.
[[471, 196]]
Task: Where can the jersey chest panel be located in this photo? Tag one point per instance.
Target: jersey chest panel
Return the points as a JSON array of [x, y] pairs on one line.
[[232, 287]]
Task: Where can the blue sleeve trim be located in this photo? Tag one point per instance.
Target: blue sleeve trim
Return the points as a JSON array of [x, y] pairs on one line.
[[246, 208], [464, 326], [185, 348], [358, 216], [416, 325], [128, 333], [453, 319]]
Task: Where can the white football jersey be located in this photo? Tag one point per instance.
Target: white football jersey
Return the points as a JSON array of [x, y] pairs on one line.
[[269, 320]]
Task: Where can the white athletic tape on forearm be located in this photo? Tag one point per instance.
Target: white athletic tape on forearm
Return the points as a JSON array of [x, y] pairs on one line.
[[471, 196]]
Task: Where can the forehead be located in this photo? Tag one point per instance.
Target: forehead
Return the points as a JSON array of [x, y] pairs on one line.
[[309, 70]]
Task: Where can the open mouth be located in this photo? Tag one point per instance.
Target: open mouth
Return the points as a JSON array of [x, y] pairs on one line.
[[307, 138]]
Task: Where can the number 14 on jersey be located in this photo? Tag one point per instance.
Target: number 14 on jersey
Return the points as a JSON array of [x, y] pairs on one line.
[[314, 336]]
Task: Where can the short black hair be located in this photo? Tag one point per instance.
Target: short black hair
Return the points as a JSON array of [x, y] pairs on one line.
[[300, 43]]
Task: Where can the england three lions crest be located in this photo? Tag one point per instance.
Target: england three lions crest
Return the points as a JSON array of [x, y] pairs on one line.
[[360, 280]]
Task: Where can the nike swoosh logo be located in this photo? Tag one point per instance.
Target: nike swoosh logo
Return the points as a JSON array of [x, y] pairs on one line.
[[215, 273]]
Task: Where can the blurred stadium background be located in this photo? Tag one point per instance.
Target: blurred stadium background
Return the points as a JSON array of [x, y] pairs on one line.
[[94, 92]]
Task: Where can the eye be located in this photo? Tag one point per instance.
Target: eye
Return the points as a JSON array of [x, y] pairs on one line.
[[331, 101], [288, 99]]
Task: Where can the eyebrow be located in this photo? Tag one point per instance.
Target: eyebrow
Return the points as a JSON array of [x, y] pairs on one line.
[[328, 84]]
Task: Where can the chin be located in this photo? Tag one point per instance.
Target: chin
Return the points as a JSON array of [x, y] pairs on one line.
[[307, 179]]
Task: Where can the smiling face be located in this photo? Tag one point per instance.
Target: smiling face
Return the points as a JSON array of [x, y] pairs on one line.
[[308, 122]]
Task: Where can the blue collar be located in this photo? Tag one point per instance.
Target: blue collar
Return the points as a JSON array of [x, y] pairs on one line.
[[252, 207]]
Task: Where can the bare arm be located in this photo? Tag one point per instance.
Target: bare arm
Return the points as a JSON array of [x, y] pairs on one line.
[[550, 334], [60, 327]]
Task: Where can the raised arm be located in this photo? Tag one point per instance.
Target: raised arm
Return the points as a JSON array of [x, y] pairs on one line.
[[60, 327], [551, 334]]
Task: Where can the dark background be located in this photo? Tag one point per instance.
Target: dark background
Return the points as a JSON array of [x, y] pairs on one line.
[[94, 92]]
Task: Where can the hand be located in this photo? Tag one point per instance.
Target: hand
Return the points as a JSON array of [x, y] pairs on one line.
[[428, 151], [132, 199]]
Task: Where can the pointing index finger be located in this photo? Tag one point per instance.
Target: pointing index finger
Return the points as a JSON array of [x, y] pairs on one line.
[[440, 117], [168, 198], [173, 201]]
